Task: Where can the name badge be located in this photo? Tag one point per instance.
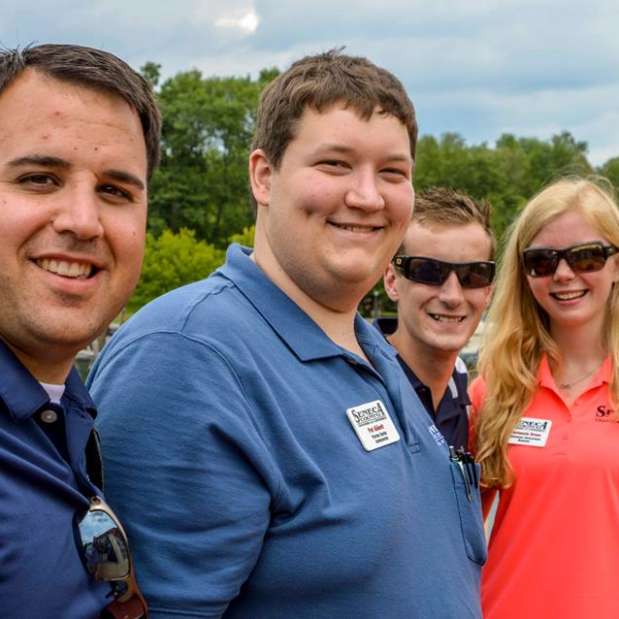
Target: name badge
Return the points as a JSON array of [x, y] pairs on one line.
[[372, 424], [531, 431]]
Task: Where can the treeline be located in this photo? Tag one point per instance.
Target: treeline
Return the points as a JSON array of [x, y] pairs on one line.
[[199, 196]]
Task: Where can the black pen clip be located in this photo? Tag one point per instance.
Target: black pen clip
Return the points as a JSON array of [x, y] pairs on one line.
[[461, 459]]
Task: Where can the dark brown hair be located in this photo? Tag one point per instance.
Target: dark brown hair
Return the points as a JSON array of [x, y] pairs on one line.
[[90, 68], [320, 81]]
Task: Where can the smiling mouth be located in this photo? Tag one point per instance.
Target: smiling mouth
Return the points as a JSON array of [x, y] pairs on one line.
[[568, 296], [356, 227], [445, 318], [66, 268]]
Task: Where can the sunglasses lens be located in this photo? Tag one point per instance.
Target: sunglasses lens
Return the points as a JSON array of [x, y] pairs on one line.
[[104, 545], [427, 271], [475, 274], [587, 259], [540, 262]]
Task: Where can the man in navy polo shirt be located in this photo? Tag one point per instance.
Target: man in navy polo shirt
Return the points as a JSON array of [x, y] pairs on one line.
[[261, 442], [78, 139], [439, 308]]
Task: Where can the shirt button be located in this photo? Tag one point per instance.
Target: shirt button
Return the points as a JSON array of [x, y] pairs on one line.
[[49, 416]]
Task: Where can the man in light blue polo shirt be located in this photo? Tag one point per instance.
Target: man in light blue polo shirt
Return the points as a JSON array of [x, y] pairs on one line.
[[262, 443]]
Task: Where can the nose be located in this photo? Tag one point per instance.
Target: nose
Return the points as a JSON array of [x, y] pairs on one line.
[[365, 193], [450, 293], [564, 271], [79, 214]]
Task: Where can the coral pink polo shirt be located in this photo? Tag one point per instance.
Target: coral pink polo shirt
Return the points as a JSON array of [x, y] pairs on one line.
[[554, 547]]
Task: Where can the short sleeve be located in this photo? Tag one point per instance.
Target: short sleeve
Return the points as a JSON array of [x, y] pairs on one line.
[[186, 469]]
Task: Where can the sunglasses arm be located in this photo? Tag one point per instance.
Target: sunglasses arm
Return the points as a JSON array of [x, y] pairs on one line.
[[132, 605]]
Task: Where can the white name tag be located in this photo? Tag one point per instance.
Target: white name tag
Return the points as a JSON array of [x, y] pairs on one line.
[[531, 431], [373, 425]]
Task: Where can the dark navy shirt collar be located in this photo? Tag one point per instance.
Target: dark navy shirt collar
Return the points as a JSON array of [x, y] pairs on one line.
[[304, 337], [23, 395], [387, 326]]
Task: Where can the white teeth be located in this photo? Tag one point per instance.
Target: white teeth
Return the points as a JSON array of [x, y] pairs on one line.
[[443, 318], [352, 228], [568, 296], [74, 270]]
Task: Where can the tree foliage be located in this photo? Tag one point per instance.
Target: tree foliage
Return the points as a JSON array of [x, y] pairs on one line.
[[172, 260], [207, 127], [506, 175]]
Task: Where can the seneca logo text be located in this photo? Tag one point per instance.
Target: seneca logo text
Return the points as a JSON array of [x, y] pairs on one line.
[[533, 426], [369, 414], [603, 413]]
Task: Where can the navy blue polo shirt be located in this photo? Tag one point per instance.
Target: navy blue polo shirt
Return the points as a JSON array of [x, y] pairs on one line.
[[451, 416], [43, 485]]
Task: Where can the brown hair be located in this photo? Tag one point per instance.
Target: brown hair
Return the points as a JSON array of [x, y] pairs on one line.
[[91, 68], [320, 81], [446, 207]]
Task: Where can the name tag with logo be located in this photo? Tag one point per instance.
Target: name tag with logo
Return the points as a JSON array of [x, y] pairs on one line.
[[531, 431], [372, 424]]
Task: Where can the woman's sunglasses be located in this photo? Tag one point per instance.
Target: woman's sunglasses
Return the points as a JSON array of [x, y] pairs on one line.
[[585, 258], [432, 272], [105, 552]]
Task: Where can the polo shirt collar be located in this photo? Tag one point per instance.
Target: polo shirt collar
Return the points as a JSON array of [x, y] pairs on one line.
[[545, 378], [304, 337], [23, 395]]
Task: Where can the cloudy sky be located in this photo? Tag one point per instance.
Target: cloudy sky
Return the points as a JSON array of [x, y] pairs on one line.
[[476, 67]]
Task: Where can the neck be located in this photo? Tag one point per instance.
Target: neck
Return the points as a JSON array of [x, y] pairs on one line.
[[580, 348], [46, 370], [582, 353], [432, 367], [338, 322]]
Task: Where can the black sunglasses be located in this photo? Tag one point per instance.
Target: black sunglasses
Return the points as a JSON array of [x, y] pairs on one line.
[[432, 272], [105, 553], [585, 258]]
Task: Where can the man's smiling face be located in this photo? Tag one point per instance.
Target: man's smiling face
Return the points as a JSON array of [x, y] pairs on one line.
[[72, 216], [440, 319], [335, 210]]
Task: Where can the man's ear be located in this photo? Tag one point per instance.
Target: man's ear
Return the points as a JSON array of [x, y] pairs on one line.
[[390, 281], [260, 175]]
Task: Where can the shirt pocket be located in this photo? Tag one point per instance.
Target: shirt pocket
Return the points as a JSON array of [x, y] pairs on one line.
[[469, 511]]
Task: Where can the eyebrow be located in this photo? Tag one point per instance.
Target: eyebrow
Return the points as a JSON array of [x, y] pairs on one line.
[[48, 161], [42, 160], [125, 177], [340, 148]]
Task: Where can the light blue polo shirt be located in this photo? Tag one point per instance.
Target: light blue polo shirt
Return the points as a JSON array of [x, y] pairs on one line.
[[245, 490]]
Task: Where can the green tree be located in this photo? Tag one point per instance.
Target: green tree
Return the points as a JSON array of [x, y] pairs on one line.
[[610, 170], [207, 128], [172, 260]]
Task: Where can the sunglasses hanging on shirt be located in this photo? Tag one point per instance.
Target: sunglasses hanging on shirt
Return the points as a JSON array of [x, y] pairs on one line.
[[105, 553]]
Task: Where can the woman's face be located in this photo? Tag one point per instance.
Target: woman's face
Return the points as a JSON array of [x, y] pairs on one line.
[[572, 299]]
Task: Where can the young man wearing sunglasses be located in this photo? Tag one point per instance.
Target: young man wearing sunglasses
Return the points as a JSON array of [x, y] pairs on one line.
[[440, 278], [268, 454], [79, 138]]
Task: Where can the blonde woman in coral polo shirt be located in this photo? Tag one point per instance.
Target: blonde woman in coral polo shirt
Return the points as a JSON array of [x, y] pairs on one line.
[[547, 431]]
